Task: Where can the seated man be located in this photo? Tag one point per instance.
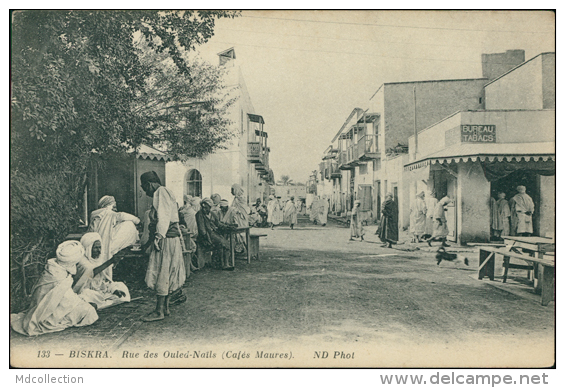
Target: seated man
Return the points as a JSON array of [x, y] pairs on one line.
[[117, 229], [210, 234], [88, 282], [54, 304]]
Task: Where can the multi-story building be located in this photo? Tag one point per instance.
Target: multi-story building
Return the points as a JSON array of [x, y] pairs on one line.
[[474, 154], [371, 148], [244, 161]]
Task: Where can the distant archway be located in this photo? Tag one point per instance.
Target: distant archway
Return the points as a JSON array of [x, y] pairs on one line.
[[193, 183]]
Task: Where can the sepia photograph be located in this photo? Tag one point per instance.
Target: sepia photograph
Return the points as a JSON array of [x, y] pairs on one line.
[[282, 189]]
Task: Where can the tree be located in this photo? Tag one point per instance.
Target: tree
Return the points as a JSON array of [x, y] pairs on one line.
[[285, 180], [80, 81], [90, 83]]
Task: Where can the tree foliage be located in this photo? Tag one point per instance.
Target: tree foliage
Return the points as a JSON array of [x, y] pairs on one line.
[[81, 80], [90, 83]]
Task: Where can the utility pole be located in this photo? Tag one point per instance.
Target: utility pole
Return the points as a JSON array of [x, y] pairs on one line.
[[415, 126]]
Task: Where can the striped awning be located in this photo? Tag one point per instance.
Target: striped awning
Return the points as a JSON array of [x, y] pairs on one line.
[[487, 152], [147, 152]]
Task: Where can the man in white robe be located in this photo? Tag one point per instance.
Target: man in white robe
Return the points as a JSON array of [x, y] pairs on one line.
[[290, 215], [117, 229], [273, 211], [89, 283], [54, 304], [522, 211], [418, 213], [324, 209]]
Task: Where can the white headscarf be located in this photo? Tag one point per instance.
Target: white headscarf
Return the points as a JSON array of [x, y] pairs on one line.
[[68, 254], [87, 242]]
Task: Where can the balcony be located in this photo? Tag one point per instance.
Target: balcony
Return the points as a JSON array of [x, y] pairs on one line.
[[353, 155], [343, 162], [368, 148], [333, 171], [254, 154]]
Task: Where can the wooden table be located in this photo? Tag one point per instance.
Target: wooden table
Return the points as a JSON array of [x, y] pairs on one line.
[[537, 246], [232, 243]]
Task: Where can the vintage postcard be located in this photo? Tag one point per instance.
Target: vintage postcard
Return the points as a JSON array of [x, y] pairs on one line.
[[289, 189]]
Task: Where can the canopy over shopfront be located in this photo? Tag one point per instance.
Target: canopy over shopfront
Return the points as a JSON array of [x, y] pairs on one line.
[[497, 159]]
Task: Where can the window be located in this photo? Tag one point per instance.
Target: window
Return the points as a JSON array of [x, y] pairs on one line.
[[376, 165], [193, 185]]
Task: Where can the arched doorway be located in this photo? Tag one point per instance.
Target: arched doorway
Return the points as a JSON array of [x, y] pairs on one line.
[[193, 183]]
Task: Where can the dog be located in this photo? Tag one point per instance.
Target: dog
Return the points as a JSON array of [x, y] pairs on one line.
[[441, 255]]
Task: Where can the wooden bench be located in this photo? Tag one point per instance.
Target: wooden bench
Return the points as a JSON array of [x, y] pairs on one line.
[[254, 245], [547, 269]]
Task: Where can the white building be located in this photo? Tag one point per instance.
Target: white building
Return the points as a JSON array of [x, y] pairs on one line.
[[245, 161]]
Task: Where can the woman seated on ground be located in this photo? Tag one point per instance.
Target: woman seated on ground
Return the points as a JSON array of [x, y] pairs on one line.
[[54, 304], [89, 283]]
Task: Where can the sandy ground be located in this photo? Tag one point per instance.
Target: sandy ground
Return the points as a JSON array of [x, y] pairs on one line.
[[313, 298]]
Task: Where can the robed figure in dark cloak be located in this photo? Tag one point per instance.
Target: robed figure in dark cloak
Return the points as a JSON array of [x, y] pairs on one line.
[[388, 229]]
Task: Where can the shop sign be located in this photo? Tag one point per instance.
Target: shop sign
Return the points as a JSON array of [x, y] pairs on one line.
[[471, 133]]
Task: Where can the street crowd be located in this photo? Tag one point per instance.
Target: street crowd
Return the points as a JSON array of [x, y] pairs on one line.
[[178, 241]]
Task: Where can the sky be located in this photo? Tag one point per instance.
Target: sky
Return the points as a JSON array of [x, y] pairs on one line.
[[306, 71]]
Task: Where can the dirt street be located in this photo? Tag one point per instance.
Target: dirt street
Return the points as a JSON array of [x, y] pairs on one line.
[[313, 291]]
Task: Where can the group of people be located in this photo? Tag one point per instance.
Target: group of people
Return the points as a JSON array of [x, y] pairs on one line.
[[78, 280], [514, 217], [277, 213], [428, 221]]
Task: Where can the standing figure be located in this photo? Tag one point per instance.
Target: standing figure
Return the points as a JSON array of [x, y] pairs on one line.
[[273, 210], [54, 305], [501, 217], [324, 208], [215, 210], [238, 213], [522, 211], [440, 223], [388, 228], [117, 229], [315, 210], [88, 282], [356, 225], [431, 203], [166, 272], [290, 214], [418, 213], [187, 220]]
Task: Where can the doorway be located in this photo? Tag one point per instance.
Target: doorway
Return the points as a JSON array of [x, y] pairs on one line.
[[508, 186], [445, 184]]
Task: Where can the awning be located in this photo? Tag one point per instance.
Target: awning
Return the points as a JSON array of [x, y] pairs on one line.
[[488, 152], [261, 133], [256, 118], [147, 152]]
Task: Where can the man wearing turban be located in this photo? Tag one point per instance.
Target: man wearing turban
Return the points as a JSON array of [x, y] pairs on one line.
[[166, 272], [89, 284], [117, 229], [239, 214], [54, 304], [522, 208], [290, 214], [211, 236], [418, 212], [274, 210]]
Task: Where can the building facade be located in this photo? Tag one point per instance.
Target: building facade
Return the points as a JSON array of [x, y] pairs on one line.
[[245, 161], [367, 156], [473, 155]]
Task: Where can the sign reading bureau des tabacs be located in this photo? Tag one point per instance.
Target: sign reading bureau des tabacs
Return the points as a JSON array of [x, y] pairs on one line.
[[478, 133]]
